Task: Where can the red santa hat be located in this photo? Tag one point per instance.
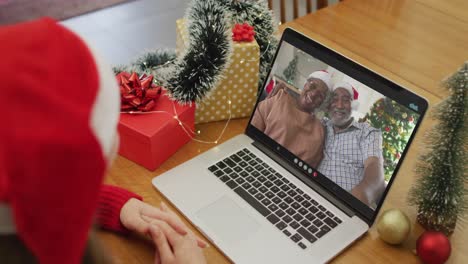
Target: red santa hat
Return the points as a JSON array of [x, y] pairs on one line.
[[323, 75], [352, 92], [60, 109]]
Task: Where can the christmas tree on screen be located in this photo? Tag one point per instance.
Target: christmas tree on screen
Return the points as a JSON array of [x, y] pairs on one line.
[[290, 71], [397, 123]]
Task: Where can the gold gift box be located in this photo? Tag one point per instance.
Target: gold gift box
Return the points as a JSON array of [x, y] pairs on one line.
[[236, 93]]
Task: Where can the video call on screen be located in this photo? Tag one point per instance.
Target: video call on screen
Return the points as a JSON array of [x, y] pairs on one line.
[[379, 123]]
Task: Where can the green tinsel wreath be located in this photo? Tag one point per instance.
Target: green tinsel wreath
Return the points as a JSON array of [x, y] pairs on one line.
[[191, 76]]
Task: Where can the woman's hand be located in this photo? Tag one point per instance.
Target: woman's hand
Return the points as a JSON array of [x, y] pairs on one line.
[[138, 216], [174, 248]]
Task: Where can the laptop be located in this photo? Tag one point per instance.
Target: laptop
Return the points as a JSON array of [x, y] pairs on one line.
[[261, 201]]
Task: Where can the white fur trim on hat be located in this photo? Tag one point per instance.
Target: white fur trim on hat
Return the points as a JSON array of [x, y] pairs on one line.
[[322, 75], [106, 108], [352, 92]]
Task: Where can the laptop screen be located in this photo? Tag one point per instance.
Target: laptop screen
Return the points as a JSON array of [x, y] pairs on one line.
[[340, 124]]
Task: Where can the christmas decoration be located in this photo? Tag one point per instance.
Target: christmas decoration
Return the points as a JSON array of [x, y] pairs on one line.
[[234, 96], [257, 14], [191, 76], [204, 71], [393, 226], [150, 138], [243, 32], [195, 72], [154, 59], [440, 191], [137, 93], [433, 247], [397, 123], [148, 62]]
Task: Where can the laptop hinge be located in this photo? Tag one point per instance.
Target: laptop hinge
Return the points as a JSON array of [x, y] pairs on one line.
[[298, 173]]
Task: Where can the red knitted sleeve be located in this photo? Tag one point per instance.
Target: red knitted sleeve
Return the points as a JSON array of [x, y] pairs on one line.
[[110, 202]]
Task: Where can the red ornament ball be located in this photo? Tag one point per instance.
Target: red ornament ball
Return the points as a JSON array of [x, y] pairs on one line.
[[433, 247]]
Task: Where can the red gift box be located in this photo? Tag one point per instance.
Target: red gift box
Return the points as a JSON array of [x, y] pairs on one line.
[[151, 138]]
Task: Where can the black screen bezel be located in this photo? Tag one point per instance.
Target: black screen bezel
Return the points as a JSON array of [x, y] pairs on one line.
[[366, 77]]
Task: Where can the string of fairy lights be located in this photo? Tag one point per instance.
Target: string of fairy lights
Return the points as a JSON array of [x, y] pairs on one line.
[[260, 17], [188, 131]]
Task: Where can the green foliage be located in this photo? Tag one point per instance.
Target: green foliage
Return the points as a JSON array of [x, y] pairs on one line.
[[397, 124], [208, 55], [148, 62], [199, 69], [290, 72], [440, 191], [154, 59], [191, 76], [118, 69]]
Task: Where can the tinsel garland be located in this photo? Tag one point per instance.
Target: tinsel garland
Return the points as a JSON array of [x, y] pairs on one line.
[[192, 75], [152, 60], [148, 62], [195, 72]]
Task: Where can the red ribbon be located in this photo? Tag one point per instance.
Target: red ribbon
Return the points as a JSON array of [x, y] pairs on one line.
[[243, 32], [137, 93]]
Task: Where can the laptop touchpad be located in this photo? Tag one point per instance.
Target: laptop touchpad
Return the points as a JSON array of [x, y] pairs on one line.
[[228, 221]]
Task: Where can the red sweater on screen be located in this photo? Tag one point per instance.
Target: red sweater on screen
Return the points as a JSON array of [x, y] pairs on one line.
[[110, 202]]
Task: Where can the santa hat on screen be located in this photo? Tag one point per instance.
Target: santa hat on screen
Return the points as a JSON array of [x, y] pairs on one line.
[[323, 75], [352, 92], [60, 108]]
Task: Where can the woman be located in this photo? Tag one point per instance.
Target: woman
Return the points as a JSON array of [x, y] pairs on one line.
[[60, 108]]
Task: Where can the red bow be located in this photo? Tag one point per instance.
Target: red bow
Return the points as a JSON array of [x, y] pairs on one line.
[[243, 32], [137, 93]]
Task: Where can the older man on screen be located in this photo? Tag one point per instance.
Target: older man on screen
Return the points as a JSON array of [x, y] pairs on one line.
[[291, 121], [353, 151]]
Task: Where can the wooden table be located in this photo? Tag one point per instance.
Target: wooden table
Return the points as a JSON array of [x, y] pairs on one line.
[[415, 43]]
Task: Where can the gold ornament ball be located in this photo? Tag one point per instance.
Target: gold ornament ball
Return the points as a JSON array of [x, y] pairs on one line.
[[393, 226]]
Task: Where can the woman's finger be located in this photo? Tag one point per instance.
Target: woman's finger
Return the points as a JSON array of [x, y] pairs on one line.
[[155, 213], [163, 248], [157, 256], [164, 207], [168, 219], [200, 242], [171, 235], [140, 225]]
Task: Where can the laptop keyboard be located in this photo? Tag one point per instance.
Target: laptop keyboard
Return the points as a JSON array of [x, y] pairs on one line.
[[296, 214]]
